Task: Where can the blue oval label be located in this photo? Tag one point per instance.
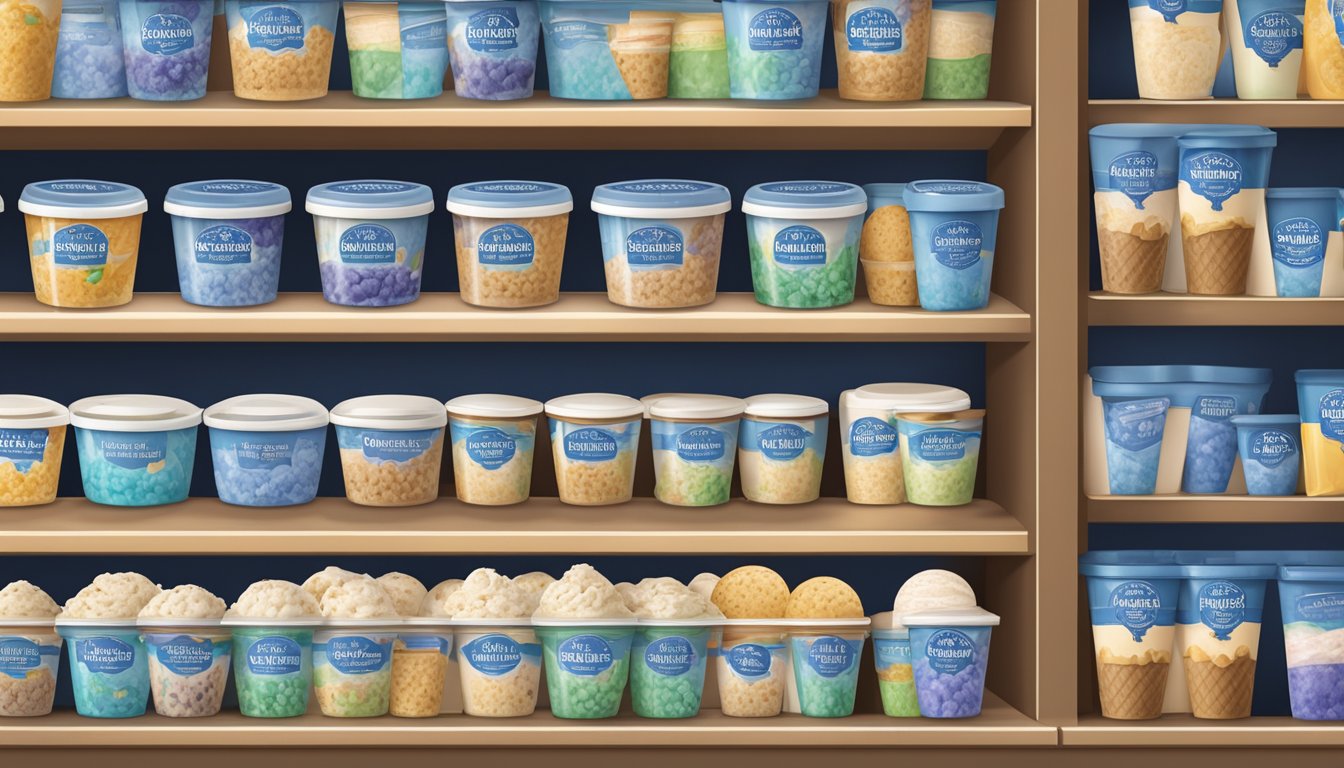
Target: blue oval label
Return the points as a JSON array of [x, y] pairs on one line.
[[18, 655], [22, 448], [357, 655], [775, 29], [166, 34], [1272, 447], [185, 656], [1214, 176], [939, 444], [654, 247], [506, 246], [1222, 608], [949, 651], [957, 244], [874, 29], [223, 244], [368, 244], [591, 444], [396, 445], [276, 655], [670, 656], [491, 448], [871, 436], [1273, 34], [1298, 243], [493, 30], [585, 655], [749, 660], [104, 655], [831, 656], [493, 655], [79, 245], [1214, 407], [1135, 425], [274, 28], [800, 246], [1134, 174], [1135, 604], [701, 444], [1330, 412], [783, 442]]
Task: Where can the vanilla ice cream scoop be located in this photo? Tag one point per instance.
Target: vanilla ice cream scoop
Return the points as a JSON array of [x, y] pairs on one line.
[[487, 594], [186, 601], [533, 584], [275, 599], [704, 584], [318, 584], [406, 591], [432, 605], [582, 593], [112, 596], [932, 590], [667, 598], [361, 598], [21, 600]]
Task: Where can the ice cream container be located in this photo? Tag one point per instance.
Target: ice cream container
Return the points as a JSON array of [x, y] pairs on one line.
[[500, 663], [352, 666], [661, 240], [188, 664], [781, 448], [135, 450], [397, 50], [83, 240], [1271, 453], [870, 440], [89, 60], [267, 449], [885, 248], [804, 240], [1266, 41], [940, 453], [694, 447], [370, 240], [594, 438], [825, 657], [32, 441], [774, 47], [752, 667], [668, 658], [167, 48], [698, 63], [273, 665], [30, 658], [494, 440], [228, 236], [961, 39], [881, 48], [607, 50], [895, 670], [950, 649], [1322, 51], [1218, 635], [587, 665], [1177, 47], [1320, 403], [1312, 601], [953, 225], [1134, 168], [391, 448], [1133, 421], [510, 238], [109, 670], [420, 667], [281, 49], [29, 33], [493, 44], [1300, 220]]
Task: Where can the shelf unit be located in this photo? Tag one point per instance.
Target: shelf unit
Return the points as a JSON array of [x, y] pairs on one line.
[[1214, 509], [1169, 309], [1186, 731]]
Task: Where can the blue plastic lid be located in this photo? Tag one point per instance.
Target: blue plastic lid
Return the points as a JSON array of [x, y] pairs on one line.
[[82, 198], [523, 199], [1311, 573], [661, 197], [1299, 193], [1131, 564], [1228, 137], [234, 198], [941, 195], [1141, 130], [1229, 571], [817, 199], [371, 198], [1266, 420], [1328, 376], [1167, 374]]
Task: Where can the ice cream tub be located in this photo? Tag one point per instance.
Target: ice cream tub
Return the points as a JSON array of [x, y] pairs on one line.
[[273, 665], [661, 240], [668, 658], [594, 438], [1266, 40], [228, 235], [940, 453], [352, 667], [1323, 50], [83, 240], [825, 657], [1218, 635], [885, 248], [1177, 47], [895, 670], [109, 669], [510, 241], [370, 240], [587, 665], [698, 62], [267, 449], [1312, 602], [1300, 220], [774, 47], [32, 441], [391, 448], [1320, 403], [781, 448], [397, 50], [1134, 419], [804, 241], [961, 40], [494, 441], [30, 658], [28, 33], [694, 447], [607, 50], [500, 663], [881, 48], [493, 44], [870, 438], [752, 667], [420, 667], [1271, 453], [188, 665], [950, 649], [1134, 168], [953, 225], [167, 48], [281, 49], [135, 450], [89, 59]]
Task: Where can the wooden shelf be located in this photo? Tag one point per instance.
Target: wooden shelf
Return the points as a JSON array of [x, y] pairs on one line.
[[1187, 731], [1214, 509], [1171, 309], [1302, 113], [444, 316]]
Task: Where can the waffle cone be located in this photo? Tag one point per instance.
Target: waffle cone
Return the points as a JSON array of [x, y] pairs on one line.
[[1130, 264], [1220, 693], [1132, 691], [1216, 262]]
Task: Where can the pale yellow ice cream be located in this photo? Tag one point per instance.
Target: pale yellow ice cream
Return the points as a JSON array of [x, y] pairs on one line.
[[487, 594], [582, 593], [703, 584], [275, 599], [667, 598], [362, 598], [406, 591], [533, 584], [21, 600], [432, 605], [318, 584], [112, 596], [186, 601]]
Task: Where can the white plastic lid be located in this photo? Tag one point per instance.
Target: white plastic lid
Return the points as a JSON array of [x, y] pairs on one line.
[[908, 397], [776, 406], [134, 413], [390, 412], [29, 412], [493, 406], [296, 623], [68, 621], [696, 407], [952, 617], [594, 405], [266, 413], [649, 400], [151, 622]]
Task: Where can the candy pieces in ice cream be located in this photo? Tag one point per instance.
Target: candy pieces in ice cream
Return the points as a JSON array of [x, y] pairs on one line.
[[187, 601], [406, 591], [824, 597], [433, 604], [361, 598], [112, 596], [331, 576], [487, 594], [28, 678], [582, 593], [932, 590], [751, 592], [275, 599], [22, 600], [188, 665]]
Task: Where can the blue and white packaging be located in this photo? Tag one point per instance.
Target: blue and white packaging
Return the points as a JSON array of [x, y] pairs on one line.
[[954, 226], [228, 235], [267, 449]]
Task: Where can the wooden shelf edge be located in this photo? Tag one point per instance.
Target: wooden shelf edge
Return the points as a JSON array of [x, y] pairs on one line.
[[1298, 113], [1186, 731], [1169, 309], [1214, 509]]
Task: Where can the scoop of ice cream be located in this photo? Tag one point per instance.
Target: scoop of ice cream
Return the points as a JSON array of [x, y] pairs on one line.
[[406, 591], [824, 597], [932, 590], [21, 600], [362, 598], [582, 593], [488, 595], [751, 592], [667, 598], [627, 591], [533, 584], [704, 584], [318, 584], [186, 601], [112, 596], [432, 605], [275, 599]]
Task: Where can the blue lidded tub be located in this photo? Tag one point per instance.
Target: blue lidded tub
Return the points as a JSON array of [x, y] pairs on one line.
[[371, 240], [1311, 599], [774, 47], [953, 225], [228, 235], [1271, 453], [1134, 175], [135, 450], [803, 237], [1300, 220], [267, 449]]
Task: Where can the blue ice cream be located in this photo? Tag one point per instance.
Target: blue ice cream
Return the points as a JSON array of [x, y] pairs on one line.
[[493, 44], [89, 61], [267, 449], [135, 450], [774, 47], [953, 225], [606, 51], [228, 235], [1271, 453], [1300, 220]]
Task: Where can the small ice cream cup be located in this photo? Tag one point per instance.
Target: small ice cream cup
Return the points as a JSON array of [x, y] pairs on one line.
[[953, 226], [281, 49], [135, 450], [940, 453], [267, 449], [753, 667], [661, 241], [500, 665], [594, 438], [698, 63], [494, 440], [32, 441], [870, 438], [397, 50], [694, 447], [89, 59], [1134, 174], [420, 667], [1320, 403], [493, 44], [352, 666], [109, 668], [774, 47], [826, 655], [961, 40], [1312, 601], [781, 448], [881, 48], [510, 240], [29, 33], [370, 240], [1322, 52], [607, 51], [1271, 453], [30, 658], [167, 48], [391, 448], [228, 236], [1218, 635], [895, 672], [667, 666], [804, 240], [83, 241], [1300, 220], [1177, 47], [950, 649], [1266, 40], [273, 665], [587, 665], [886, 250], [188, 665]]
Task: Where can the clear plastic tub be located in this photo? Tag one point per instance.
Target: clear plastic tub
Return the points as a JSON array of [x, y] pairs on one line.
[[804, 242], [961, 39], [188, 665], [694, 447], [28, 32], [951, 654], [420, 668], [1313, 636], [267, 449], [1218, 635], [109, 669], [1300, 220], [494, 440], [698, 64], [594, 438], [352, 667], [895, 672], [89, 59], [493, 44], [1271, 454], [1320, 403], [782, 448], [881, 48], [28, 671], [886, 250], [1134, 174], [667, 666], [587, 665], [1177, 47], [752, 667], [1266, 39], [32, 441], [826, 655], [228, 235], [510, 241], [774, 47], [135, 450], [281, 49], [397, 50], [870, 441], [167, 48], [940, 453], [500, 663], [661, 241], [391, 448], [370, 240], [607, 51], [83, 241], [273, 665], [954, 226]]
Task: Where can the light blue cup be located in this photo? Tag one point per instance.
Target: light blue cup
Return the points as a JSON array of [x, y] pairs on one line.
[[89, 60], [228, 235], [1134, 176], [1220, 611], [267, 449], [1271, 453], [108, 667], [493, 44], [135, 450], [1311, 598], [774, 47], [167, 48], [954, 225], [1300, 221]]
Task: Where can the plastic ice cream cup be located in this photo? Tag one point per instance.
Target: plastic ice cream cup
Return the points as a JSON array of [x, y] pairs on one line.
[[167, 48], [510, 240], [694, 447], [420, 667], [493, 44], [83, 240], [135, 450], [1266, 39], [397, 50], [273, 665], [881, 48], [781, 448], [1177, 47], [391, 448], [953, 226], [89, 59], [940, 453], [961, 40], [352, 666], [30, 658], [494, 441], [1320, 403], [950, 649], [500, 666], [826, 655], [188, 664], [1312, 601], [587, 665], [228, 236], [895, 672], [752, 667], [32, 441], [1300, 220], [774, 47], [804, 240], [281, 49], [29, 34], [886, 250], [1134, 168], [661, 240], [698, 63], [668, 659], [1322, 51], [1134, 418], [267, 449], [109, 668], [870, 439], [1271, 453], [370, 240], [1218, 635], [594, 438], [607, 50]]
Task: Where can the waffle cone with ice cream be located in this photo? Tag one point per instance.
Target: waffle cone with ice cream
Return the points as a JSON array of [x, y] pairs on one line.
[[1216, 260], [1132, 687], [640, 49], [1134, 261], [1220, 687]]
